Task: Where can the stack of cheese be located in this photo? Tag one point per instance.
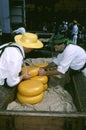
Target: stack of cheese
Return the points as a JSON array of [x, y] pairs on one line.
[[32, 91]]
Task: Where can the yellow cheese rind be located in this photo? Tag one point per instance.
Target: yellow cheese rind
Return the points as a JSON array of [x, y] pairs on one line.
[[32, 70], [43, 79], [30, 100], [41, 64], [30, 88], [45, 86]]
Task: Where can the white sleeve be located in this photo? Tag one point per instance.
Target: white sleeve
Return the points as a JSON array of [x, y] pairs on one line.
[[64, 61], [14, 64], [58, 59]]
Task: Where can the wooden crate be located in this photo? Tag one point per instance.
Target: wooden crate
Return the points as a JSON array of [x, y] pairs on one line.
[[10, 120], [37, 120]]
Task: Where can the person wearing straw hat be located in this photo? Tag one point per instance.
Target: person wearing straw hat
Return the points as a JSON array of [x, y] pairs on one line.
[[75, 31], [69, 56], [12, 56]]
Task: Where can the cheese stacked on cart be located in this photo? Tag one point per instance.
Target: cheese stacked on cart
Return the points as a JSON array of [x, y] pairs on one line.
[[32, 91]]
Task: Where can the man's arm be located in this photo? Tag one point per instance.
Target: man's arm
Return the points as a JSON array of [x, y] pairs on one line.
[[42, 71], [53, 72], [50, 66]]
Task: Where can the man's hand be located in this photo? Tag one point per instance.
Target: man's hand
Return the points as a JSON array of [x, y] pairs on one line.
[[42, 71], [25, 76]]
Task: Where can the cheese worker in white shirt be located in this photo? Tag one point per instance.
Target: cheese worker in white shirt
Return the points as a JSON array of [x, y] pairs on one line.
[[12, 56], [69, 56]]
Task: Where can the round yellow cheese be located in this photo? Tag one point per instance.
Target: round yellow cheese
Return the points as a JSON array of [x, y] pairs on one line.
[[30, 87], [30, 100], [43, 79], [41, 64], [45, 86], [32, 70]]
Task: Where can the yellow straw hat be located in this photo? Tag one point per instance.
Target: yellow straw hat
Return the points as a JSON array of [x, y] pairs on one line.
[[28, 40], [75, 22]]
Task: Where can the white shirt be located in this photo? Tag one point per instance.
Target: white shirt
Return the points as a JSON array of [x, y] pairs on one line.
[[73, 56], [20, 30], [75, 30], [10, 65]]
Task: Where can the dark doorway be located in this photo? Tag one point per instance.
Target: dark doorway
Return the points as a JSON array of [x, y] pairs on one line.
[[40, 12]]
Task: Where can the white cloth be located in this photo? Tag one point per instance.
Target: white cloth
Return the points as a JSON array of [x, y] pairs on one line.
[[10, 65], [74, 39], [73, 57], [75, 34], [19, 30], [75, 29], [84, 72]]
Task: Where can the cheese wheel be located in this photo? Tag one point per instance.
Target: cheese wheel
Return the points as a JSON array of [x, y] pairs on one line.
[[30, 87], [45, 86], [43, 79], [32, 70], [30, 100], [41, 64]]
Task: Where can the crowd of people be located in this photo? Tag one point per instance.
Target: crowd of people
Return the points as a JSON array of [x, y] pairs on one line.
[[73, 30]]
